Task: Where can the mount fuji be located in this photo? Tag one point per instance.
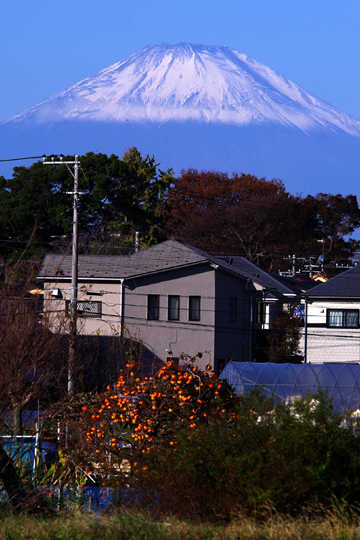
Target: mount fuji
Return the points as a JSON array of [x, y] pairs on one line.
[[198, 106]]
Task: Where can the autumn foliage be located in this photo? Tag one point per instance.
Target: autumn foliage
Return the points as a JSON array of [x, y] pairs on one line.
[[257, 218], [223, 214]]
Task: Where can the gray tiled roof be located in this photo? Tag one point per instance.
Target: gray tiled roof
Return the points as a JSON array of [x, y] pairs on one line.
[[345, 285], [164, 256], [257, 275], [168, 255]]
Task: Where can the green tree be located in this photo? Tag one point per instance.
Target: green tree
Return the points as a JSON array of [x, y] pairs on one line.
[[119, 196], [337, 217], [284, 338]]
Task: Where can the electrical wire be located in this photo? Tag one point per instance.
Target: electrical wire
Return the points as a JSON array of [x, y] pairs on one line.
[[23, 158], [38, 226]]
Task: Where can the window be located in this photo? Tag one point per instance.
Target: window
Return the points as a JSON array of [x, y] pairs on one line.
[[153, 307], [173, 308], [194, 308], [342, 318], [232, 309], [86, 308], [260, 313]]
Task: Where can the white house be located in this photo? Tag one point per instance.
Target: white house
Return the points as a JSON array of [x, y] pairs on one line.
[[331, 330]]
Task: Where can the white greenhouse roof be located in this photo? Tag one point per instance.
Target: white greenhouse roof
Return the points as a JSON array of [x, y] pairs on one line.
[[285, 382]]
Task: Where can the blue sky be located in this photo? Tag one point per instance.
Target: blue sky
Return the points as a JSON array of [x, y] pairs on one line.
[[47, 46]]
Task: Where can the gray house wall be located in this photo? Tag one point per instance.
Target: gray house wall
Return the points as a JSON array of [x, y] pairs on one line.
[[122, 285], [232, 337], [166, 337], [124, 311], [107, 325]]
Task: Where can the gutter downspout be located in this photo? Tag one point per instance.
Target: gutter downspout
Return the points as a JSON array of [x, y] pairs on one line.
[[305, 333], [251, 304], [121, 308]]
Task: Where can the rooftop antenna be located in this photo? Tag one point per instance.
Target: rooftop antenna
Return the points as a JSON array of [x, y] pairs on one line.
[[137, 242]]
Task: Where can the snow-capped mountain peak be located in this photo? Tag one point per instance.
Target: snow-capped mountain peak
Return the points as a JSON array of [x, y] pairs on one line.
[[183, 82]]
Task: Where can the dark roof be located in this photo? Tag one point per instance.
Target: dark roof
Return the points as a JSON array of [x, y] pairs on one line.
[[172, 254], [257, 275], [298, 286], [345, 285], [165, 256]]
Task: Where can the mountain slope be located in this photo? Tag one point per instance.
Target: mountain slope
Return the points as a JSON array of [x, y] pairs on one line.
[[186, 82], [201, 107]]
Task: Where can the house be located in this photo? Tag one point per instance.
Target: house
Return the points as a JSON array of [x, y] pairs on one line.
[[331, 329], [171, 299]]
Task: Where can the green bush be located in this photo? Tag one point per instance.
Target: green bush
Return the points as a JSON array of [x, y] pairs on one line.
[[289, 458]]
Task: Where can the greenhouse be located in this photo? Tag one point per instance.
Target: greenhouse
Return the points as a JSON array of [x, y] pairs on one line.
[[286, 382]]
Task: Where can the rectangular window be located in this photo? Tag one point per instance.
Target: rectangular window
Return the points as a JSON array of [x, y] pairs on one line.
[[173, 308], [232, 308], [342, 318], [86, 308], [260, 313], [194, 308], [153, 307]]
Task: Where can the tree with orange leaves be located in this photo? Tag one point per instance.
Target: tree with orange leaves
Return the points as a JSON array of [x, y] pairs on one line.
[[257, 218], [237, 215], [145, 413]]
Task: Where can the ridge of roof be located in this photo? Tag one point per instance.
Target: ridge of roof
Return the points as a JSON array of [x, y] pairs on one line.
[[171, 254], [168, 255]]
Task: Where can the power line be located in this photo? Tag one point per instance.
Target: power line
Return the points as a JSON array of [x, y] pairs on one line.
[[31, 230], [23, 158]]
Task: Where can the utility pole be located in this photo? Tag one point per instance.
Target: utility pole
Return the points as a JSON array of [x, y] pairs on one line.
[[74, 268]]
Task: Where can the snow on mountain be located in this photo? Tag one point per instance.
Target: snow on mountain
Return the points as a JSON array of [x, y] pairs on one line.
[[176, 83], [200, 107]]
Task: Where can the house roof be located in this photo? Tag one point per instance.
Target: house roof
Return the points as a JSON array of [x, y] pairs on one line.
[[345, 285], [172, 254], [267, 281], [298, 286], [165, 256]]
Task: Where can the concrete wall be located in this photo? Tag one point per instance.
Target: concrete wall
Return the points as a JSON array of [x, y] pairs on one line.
[[108, 325], [167, 337], [214, 335], [232, 338], [329, 344]]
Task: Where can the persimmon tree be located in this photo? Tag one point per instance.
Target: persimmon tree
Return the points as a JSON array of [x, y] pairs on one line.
[[142, 413]]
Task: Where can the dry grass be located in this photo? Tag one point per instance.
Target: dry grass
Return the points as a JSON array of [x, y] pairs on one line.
[[125, 525]]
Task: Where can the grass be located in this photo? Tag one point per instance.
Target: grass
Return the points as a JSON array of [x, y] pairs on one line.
[[137, 526]]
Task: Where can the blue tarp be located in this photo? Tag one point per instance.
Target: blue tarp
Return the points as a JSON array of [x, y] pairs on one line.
[[287, 381], [22, 449]]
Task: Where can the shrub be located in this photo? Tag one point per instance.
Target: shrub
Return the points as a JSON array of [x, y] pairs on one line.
[[288, 458]]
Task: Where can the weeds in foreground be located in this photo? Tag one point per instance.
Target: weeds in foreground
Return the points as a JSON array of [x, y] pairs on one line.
[[330, 525]]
